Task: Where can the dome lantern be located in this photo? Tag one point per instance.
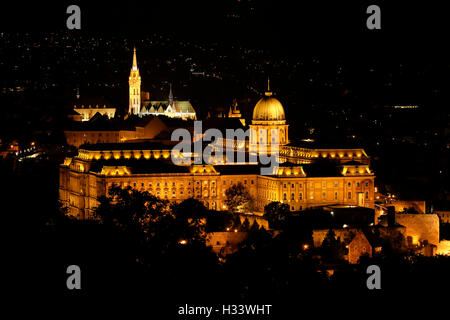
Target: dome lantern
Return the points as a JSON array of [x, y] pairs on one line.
[[268, 108]]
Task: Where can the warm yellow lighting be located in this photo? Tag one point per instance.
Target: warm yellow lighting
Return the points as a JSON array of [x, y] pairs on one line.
[[183, 242]]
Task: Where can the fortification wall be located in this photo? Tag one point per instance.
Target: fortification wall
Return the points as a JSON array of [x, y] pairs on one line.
[[420, 227]]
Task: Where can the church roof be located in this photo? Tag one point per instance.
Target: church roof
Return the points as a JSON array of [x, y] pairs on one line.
[[183, 106]]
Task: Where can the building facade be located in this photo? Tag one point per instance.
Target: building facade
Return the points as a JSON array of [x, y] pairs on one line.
[[148, 167]]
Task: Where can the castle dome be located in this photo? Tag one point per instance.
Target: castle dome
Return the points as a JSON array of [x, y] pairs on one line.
[[268, 108]]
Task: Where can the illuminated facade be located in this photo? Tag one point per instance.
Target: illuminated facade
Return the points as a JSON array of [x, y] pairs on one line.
[[87, 112], [268, 129], [147, 166], [298, 180], [134, 82], [140, 103]]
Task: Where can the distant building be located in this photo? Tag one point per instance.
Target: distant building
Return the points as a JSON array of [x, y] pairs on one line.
[[141, 105], [117, 154], [235, 112], [88, 111], [101, 130]]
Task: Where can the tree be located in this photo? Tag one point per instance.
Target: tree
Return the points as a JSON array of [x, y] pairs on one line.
[[129, 209], [153, 222], [332, 249], [190, 217], [238, 198], [276, 213], [236, 222], [245, 226], [255, 226]]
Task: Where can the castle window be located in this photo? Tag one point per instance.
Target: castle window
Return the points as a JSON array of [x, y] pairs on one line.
[[336, 184], [324, 184], [142, 184], [349, 195], [252, 182], [224, 182], [311, 195], [357, 184], [324, 195], [300, 185], [292, 186], [335, 195], [284, 196], [367, 194], [284, 186], [367, 183], [300, 196], [349, 184], [245, 181], [292, 196], [173, 184]]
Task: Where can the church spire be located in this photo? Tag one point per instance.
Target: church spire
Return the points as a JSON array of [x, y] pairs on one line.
[[170, 95], [134, 59]]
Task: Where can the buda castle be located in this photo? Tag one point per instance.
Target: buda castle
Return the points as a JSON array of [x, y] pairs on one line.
[[303, 177]]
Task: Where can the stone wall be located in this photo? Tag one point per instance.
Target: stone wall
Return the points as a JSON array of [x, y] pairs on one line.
[[225, 242], [420, 227], [400, 205], [443, 248]]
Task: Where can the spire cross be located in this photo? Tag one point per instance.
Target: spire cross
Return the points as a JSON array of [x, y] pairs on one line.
[[268, 93]]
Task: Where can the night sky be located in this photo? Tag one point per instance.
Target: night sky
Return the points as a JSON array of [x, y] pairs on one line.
[[334, 25]]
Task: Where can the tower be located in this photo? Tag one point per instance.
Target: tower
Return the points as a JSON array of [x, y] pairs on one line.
[[134, 83], [268, 130]]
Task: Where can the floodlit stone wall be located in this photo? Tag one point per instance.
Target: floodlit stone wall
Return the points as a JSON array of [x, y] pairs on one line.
[[420, 227]]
